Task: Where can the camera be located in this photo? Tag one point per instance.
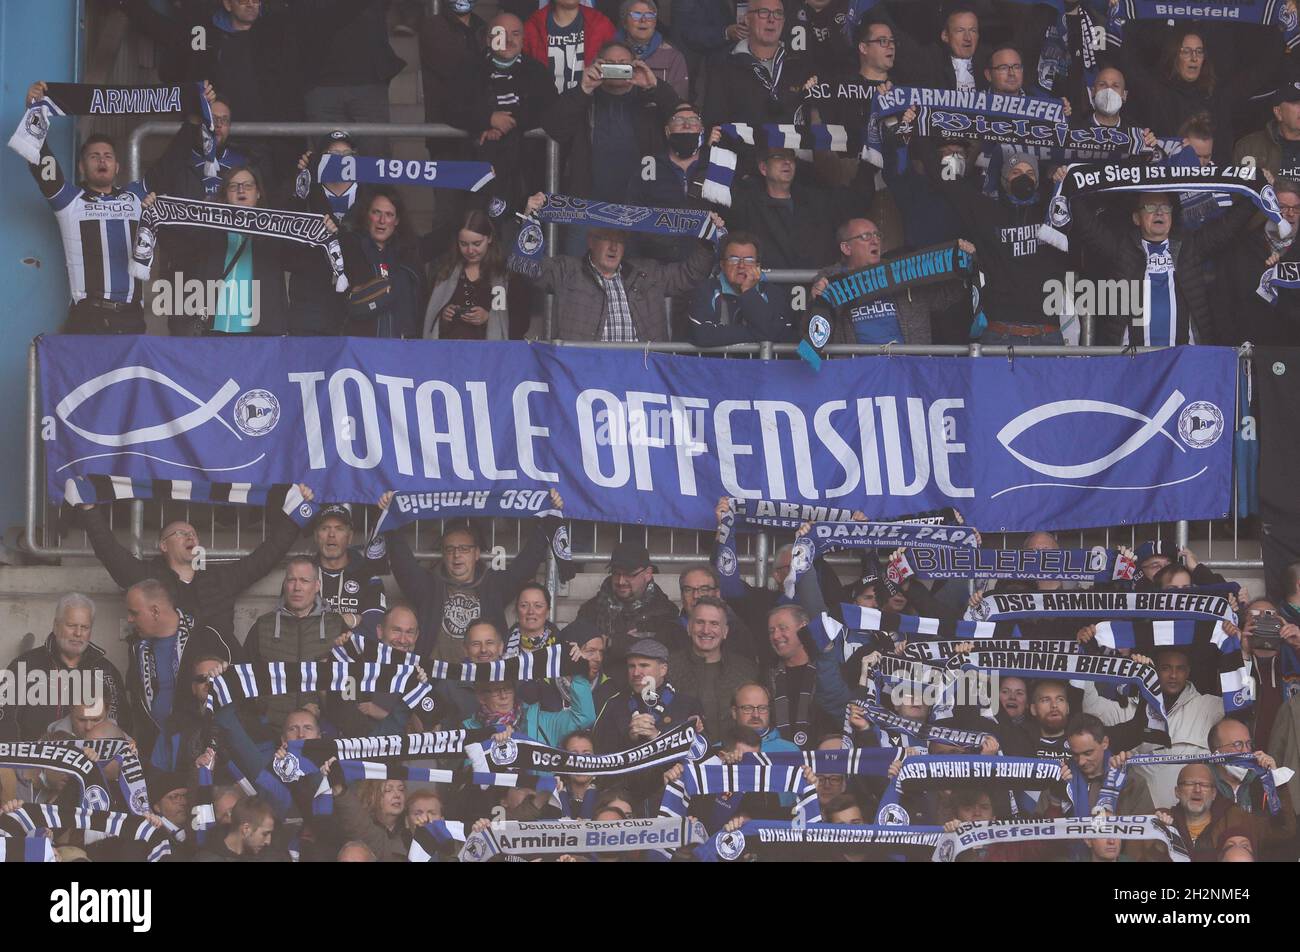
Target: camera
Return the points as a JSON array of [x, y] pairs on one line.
[[615, 71], [1266, 634]]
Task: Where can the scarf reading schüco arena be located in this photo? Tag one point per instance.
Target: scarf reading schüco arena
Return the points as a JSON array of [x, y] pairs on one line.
[[988, 833], [303, 227]]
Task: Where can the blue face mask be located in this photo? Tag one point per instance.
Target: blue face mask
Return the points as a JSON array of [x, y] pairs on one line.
[[462, 6]]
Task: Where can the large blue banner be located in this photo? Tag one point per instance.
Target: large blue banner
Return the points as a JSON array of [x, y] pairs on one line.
[[634, 437]]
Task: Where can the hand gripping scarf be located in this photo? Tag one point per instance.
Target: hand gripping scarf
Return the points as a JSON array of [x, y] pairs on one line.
[[303, 227], [555, 837], [131, 778], [243, 682], [1284, 274], [805, 139], [759, 835], [33, 817], [519, 754], [80, 99], [285, 497], [989, 832], [428, 840], [1236, 683], [1097, 565], [550, 662], [1180, 604], [1101, 178], [311, 754]]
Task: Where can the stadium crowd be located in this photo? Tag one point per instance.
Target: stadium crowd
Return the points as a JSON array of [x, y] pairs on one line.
[[742, 665]]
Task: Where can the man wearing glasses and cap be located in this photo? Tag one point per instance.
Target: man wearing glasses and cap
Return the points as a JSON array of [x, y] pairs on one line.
[[630, 607], [648, 706], [350, 582], [735, 305]]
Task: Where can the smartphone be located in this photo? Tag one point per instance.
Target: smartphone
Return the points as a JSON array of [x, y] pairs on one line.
[[615, 71]]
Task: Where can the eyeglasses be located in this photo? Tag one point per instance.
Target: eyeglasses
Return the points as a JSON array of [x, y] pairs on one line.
[[1288, 209], [1192, 52], [1008, 68], [748, 709], [735, 260], [642, 15], [183, 533], [1196, 785], [698, 589], [865, 236], [458, 549], [1237, 746], [683, 122], [241, 187], [777, 14], [885, 42], [1156, 209]]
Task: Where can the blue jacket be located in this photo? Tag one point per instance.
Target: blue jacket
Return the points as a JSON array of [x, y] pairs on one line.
[[720, 316]]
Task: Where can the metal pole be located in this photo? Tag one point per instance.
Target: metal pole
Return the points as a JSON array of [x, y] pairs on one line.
[[763, 541], [552, 582], [33, 446], [552, 234]]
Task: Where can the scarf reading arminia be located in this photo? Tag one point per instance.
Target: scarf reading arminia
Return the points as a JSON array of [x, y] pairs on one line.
[[530, 243], [30, 818], [721, 170], [80, 99], [943, 650], [931, 771], [1095, 565], [1106, 669], [286, 497], [408, 507], [1260, 12], [682, 742], [927, 266], [757, 835], [550, 662], [750, 514], [1029, 123], [1100, 178], [990, 832], [368, 170], [1270, 780], [552, 837], [131, 778], [1284, 274], [1236, 683], [303, 227], [1183, 604]]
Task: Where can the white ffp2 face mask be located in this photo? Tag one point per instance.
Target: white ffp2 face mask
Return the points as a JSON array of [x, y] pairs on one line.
[[1107, 101], [1238, 773]]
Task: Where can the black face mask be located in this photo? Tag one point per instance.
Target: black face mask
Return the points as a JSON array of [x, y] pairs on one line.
[[1022, 188], [685, 144]]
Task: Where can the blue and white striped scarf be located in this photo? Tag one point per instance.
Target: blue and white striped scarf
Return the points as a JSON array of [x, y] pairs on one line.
[[1115, 778], [1147, 637], [30, 818], [283, 496], [755, 835]]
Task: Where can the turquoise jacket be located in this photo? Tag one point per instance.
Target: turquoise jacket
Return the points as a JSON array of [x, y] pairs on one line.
[[551, 727]]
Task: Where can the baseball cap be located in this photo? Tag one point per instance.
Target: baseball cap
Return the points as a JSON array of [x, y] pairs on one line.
[[338, 135], [1153, 548], [648, 648], [163, 782], [336, 510], [768, 151], [1287, 92], [629, 557], [579, 631]]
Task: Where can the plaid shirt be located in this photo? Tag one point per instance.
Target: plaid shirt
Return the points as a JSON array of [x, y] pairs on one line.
[[618, 324]]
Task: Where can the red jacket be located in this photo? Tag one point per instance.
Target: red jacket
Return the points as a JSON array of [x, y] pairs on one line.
[[597, 30]]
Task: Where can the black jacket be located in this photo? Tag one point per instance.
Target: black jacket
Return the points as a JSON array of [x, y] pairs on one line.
[[483, 88], [210, 596], [735, 93], [1016, 264], [449, 51], [402, 314], [1118, 253], [1257, 320], [653, 616], [272, 258], [801, 236], [29, 721], [348, 46], [569, 118], [615, 718]]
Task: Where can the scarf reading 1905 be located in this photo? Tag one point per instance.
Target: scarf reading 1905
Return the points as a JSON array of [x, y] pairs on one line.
[[987, 833], [303, 227], [1100, 178], [461, 176], [80, 99]]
